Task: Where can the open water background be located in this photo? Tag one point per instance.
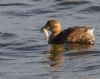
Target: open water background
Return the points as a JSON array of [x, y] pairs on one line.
[[25, 54]]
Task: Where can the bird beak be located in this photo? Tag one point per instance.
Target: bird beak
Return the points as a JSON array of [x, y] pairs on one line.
[[46, 32]]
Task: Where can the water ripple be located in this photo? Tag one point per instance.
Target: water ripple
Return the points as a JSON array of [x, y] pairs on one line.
[[28, 12], [91, 67], [64, 5], [16, 13], [73, 3], [41, 11], [15, 4], [7, 35], [82, 53], [91, 9], [88, 68], [26, 48]]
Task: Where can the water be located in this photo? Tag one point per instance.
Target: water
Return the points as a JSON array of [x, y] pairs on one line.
[[24, 51]]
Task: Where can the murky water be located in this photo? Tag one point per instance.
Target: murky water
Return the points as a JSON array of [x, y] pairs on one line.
[[24, 51]]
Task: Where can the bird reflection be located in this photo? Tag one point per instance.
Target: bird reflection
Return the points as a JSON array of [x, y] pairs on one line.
[[56, 51], [78, 47], [56, 57]]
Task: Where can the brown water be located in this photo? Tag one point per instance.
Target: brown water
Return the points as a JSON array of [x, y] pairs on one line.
[[24, 51]]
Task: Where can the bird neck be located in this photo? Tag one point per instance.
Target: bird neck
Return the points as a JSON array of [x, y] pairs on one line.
[[54, 34]]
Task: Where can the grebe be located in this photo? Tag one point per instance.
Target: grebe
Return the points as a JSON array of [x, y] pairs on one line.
[[76, 34]]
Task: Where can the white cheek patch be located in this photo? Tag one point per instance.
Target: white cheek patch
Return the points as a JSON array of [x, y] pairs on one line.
[[46, 33]]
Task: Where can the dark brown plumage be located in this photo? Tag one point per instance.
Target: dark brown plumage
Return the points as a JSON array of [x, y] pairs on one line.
[[76, 34]]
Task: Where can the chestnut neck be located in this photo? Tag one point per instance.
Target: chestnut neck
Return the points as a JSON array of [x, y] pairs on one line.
[[56, 32]]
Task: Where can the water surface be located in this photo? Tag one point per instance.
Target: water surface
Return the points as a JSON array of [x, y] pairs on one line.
[[24, 51]]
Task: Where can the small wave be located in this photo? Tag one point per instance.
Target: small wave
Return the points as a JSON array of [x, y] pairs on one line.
[[41, 11], [41, 75], [62, 5], [15, 4], [16, 13], [88, 68], [73, 2], [6, 35], [91, 9], [27, 48], [5, 39], [36, 0], [91, 67], [27, 13], [57, 0], [82, 53], [4, 44], [10, 43]]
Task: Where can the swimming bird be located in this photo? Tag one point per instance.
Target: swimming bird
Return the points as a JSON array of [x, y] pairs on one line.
[[75, 34]]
